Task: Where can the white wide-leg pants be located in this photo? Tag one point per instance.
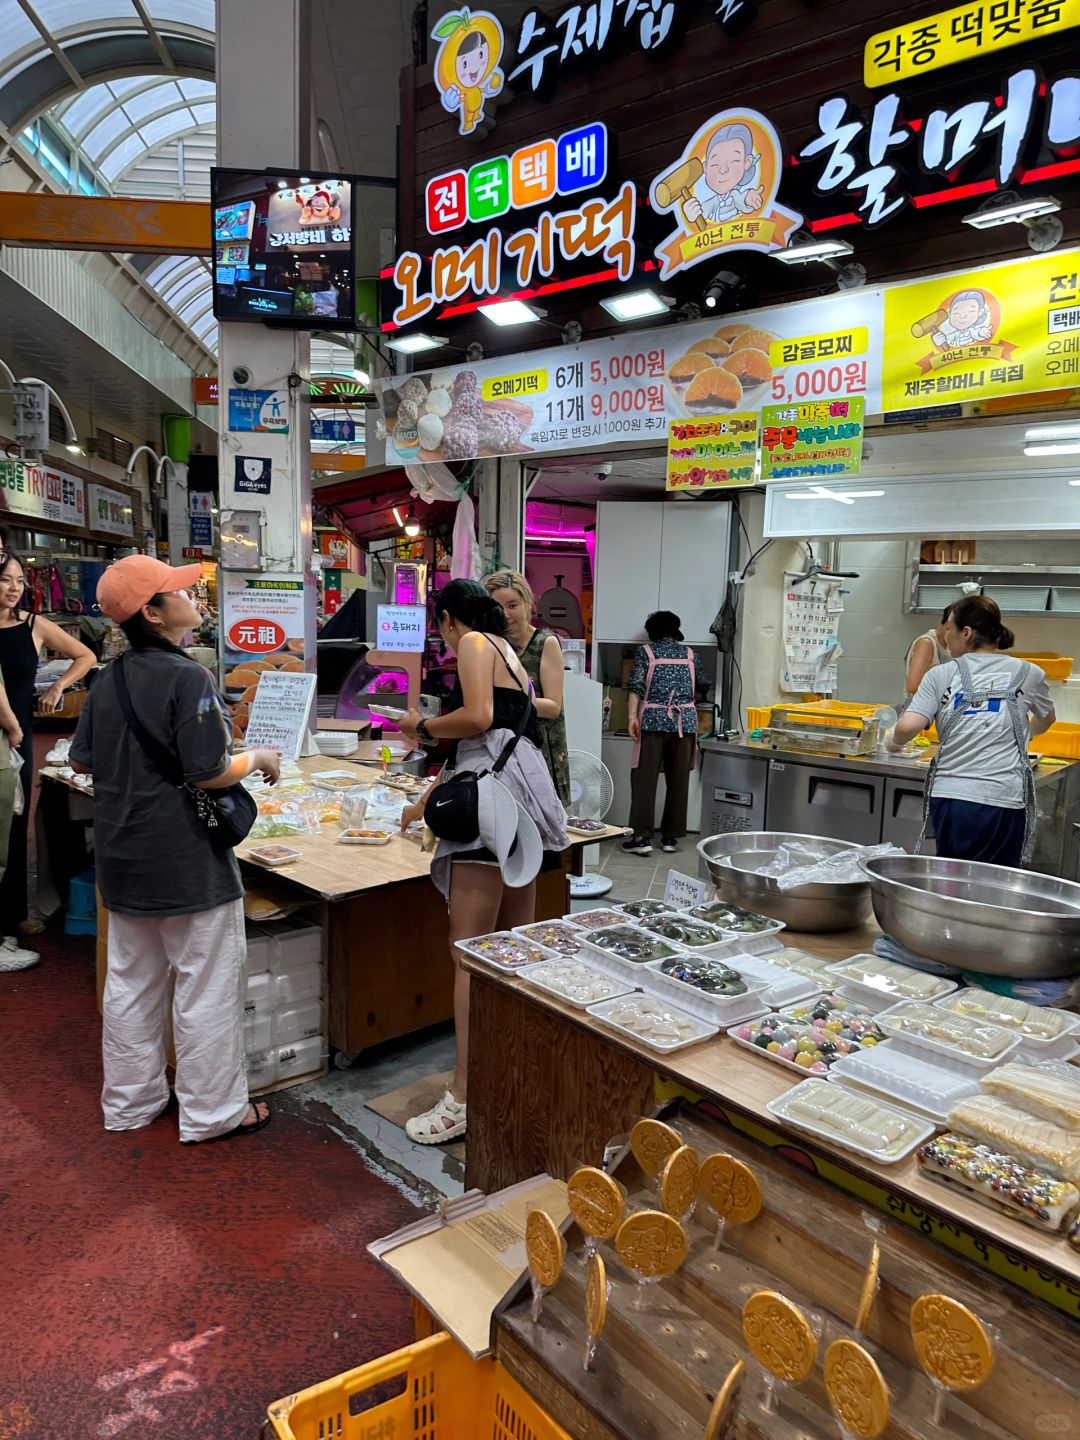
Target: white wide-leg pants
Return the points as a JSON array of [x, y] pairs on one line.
[[205, 952]]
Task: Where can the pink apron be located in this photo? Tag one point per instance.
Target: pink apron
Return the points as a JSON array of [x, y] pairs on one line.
[[672, 708]]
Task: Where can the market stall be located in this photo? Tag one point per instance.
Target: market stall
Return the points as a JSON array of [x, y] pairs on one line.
[[384, 925], [564, 1082]]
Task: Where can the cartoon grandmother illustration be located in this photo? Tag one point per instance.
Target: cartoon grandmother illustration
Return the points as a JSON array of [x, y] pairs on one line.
[[731, 178], [466, 68], [967, 321]]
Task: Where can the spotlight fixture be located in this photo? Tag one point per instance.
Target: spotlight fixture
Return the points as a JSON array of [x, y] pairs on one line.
[[1009, 209], [850, 277], [726, 291], [416, 343], [412, 525], [571, 332], [637, 305], [512, 312], [810, 250], [474, 352]]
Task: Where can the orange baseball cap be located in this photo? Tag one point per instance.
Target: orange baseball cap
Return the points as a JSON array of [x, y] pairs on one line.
[[131, 583]]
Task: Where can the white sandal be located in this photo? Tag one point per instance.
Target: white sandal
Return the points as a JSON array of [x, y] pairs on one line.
[[444, 1121]]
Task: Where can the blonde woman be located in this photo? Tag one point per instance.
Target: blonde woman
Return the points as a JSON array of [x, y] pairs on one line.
[[542, 659]]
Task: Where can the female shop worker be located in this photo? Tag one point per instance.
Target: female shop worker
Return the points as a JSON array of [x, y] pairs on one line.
[[986, 706], [491, 702], [663, 727], [173, 893], [541, 657], [925, 652]]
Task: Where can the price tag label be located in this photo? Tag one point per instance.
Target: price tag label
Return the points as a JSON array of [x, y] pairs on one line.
[[684, 891]]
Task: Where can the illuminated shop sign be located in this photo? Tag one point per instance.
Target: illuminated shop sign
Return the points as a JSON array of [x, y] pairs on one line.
[[868, 155], [474, 64], [533, 175], [966, 33]]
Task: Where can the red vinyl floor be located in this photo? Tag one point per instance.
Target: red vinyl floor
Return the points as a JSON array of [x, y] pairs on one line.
[[159, 1292]]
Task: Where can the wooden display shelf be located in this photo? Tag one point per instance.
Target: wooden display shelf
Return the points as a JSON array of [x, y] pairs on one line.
[[667, 1347], [559, 1084]]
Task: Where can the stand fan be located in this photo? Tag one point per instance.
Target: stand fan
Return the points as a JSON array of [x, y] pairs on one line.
[[591, 792]]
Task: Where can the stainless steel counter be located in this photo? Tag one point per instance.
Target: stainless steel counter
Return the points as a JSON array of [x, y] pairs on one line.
[[749, 785]]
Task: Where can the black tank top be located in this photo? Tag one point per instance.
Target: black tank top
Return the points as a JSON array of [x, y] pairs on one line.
[[19, 664], [507, 704]]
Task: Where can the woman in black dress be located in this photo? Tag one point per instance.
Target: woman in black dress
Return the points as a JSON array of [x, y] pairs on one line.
[[23, 636]]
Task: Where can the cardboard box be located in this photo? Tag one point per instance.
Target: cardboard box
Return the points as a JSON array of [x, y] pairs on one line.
[[618, 715]]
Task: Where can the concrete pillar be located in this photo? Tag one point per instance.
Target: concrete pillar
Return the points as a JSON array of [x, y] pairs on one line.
[[264, 119], [498, 492]]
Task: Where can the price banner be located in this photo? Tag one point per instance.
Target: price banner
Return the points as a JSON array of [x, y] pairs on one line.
[[712, 454], [813, 440]]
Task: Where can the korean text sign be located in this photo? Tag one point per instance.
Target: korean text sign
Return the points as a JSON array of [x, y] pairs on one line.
[[279, 712], [969, 31], [713, 453], [814, 439], [401, 628], [262, 616]]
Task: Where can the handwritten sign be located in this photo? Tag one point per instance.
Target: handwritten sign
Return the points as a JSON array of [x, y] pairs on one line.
[[402, 628], [279, 712], [683, 891], [712, 453]]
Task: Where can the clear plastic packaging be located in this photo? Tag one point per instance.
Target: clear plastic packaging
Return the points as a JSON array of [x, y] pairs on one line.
[[804, 1046], [573, 981], [908, 1077], [595, 919], [734, 920], [685, 930], [555, 935], [505, 950], [1042, 1029], [933, 1028], [854, 1122], [653, 1022], [883, 982], [793, 867]]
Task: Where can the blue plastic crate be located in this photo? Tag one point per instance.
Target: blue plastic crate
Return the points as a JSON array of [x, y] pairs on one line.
[[82, 897]]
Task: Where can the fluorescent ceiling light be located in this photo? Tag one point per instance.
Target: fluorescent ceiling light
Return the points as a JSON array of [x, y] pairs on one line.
[[820, 492], [1074, 482], [1069, 447], [511, 312], [1053, 432], [636, 305], [1009, 209], [813, 250], [414, 344]]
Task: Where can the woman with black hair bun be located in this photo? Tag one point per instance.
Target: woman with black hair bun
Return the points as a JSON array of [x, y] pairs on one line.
[[980, 793], [491, 703]]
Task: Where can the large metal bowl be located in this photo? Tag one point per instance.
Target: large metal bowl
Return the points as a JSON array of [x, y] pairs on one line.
[[812, 908], [979, 917]]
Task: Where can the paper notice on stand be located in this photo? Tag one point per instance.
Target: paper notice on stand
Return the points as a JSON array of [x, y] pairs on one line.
[[279, 712], [811, 610]]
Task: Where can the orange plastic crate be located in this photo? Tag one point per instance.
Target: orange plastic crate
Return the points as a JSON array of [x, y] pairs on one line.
[[442, 1393]]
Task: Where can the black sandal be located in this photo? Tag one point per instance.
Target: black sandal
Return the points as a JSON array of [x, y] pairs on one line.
[[248, 1128]]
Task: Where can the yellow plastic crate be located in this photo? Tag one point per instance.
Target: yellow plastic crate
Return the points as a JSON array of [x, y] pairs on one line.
[[1054, 666], [1062, 741], [822, 712], [442, 1394]]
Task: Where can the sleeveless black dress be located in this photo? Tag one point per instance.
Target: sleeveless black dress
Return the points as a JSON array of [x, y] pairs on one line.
[[18, 664]]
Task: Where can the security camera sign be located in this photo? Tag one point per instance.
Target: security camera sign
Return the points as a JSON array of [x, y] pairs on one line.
[[263, 410]]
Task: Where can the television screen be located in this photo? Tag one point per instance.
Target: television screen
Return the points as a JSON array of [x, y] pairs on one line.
[[284, 249]]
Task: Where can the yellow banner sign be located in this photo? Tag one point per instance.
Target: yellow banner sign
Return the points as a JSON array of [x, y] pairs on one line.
[[971, 30], [1008, 329], [515, 387], [716, 452], [820, 347]]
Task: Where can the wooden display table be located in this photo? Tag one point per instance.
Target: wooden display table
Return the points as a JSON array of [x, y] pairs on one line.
[[550, 1085], [386, 931]]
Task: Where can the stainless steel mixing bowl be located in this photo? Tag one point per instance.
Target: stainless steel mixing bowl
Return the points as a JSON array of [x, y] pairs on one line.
[[813, 908], [979, 917]]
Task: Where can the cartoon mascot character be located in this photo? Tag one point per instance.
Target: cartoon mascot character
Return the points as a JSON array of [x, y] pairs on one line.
[[466, 68]]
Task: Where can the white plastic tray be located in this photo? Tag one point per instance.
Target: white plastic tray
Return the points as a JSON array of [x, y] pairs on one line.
[[614, 965], [784, 987], [1062, 1046], [535, 974], [892, 1071], [581, 919], [704, 1031], [919, 1131], [887, 1020], [624, 909], [708, 952], [579, 935], [771, 927], [879, 995], [718, 1009], [471, 947]]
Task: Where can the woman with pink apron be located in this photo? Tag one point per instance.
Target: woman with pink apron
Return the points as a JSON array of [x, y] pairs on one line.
[[663, 726]]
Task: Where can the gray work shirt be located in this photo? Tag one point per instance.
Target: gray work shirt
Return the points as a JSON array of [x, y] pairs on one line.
[[154, 856], [980, 761]]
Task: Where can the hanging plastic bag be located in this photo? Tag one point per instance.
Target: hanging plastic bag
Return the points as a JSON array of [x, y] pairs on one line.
[[465, 562], [17, 763]]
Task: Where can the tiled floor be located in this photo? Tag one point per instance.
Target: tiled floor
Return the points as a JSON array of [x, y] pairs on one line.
[[637, 876]]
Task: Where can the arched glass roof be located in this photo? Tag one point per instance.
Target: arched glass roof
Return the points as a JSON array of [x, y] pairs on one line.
[[117, 123]]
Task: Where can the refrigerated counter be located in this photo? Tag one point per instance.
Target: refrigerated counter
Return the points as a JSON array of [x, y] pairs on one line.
[[749, 785]]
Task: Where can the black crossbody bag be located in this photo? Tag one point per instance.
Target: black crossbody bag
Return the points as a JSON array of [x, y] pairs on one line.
[[228, 815], [453, 812]]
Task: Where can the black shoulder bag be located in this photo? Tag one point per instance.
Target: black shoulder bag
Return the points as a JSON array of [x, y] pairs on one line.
[[228, 814], [453, 812]]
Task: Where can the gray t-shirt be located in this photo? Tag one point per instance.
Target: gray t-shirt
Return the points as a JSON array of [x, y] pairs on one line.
[[154, 857], [980, 762]]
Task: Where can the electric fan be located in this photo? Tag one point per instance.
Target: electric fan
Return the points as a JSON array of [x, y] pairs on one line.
[[591, 793]]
